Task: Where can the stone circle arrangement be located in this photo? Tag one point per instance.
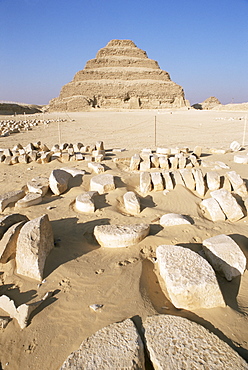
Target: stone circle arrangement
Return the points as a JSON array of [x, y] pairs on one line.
[[166, 338]]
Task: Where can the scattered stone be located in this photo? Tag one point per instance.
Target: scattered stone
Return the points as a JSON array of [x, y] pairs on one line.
[[117, 346], [10, 197], [225, 256], [188, 178], [237, 183], [163, 151], [199, 181], [218, 151], [213, 180], [240, 159], [181, 160], [228, 204], [235, 146], [192, 284], [145, 182], [222, 165], [173, 162], [39, 185], [9, 240], [193, 160], [30, 199], [173, 219], [34, 243], [96, 307], [131, 203], [119, 236], [102, 183], [85, 202], [58, 181], [212, 210], [135, 162], [73, 171], [174, 342], [96, 167], [157, 181]]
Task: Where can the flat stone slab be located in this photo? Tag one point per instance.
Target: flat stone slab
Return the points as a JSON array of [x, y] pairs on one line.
[[189, 279], [73, 171], [102, 183], [30, 199], [174, 342], [34, 243], [85, 202], [117, 346], [173, 219], [225, 256], [212, 210], [58, 181], [38, 185], [131, 203], [228, 204], [9, 220], [10, 197], [199, 181], [168, 180], [119, 236]]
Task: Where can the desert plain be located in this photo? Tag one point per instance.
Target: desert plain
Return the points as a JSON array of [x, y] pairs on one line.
[[123, 281]]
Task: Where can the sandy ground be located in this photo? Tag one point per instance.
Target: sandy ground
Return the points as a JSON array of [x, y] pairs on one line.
[[80, 272]]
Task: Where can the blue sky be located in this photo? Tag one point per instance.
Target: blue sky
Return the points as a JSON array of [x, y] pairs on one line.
[[202, 44]]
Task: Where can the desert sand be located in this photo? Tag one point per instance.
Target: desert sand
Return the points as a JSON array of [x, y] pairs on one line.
[[79, 271]]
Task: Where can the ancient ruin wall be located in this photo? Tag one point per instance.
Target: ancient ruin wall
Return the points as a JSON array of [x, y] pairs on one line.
[[121, 76]]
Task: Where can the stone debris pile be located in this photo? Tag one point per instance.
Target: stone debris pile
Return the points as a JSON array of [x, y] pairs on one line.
[[12, 126]]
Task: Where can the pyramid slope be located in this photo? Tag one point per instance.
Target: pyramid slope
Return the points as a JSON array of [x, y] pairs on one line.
[[121, 76]]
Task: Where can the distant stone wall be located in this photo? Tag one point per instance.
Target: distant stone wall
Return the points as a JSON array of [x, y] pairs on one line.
[[121, 76]]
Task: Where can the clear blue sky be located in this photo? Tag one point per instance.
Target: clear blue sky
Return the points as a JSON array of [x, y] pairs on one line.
[[202, 44]]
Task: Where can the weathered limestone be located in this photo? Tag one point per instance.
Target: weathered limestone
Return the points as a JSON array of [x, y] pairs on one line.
[[197, 151], [177, 178], [163, 162], [119, 236], [10, 197], [211, 209], [145, 182], [168, 180], [135, 162], [228, 204], [235, 146], [237, 183], [174, 342], [30, 199], [58, 181], [193, 160], [181, 160], [96, 167], [213, 180], [102, 183], [9, 240], [131, 203], [192, 284], [73, 171], [188, 178], [121, 76], [117, 346], [85, 202], [173, 163], [225, 256], [199, 181], [157, 181], [38, 185], [240, 159], [173, 219], [7, 221], [155, 161], [145, 164], [34, 243]]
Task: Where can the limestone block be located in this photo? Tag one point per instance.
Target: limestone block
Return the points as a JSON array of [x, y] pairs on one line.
[[65, 157], [73, 171], [157, 181], [14, 160], [79, 157], [211, 210], [228, 204], [45, 157], [163, 151], [174, 151], [226, 183], [7, 221], [199, 181], [134, 163], [213, 180], [96, 167], [193, 160], [102, 183], [197, 151], [173, 219], [246, 203], [145, 165], [192, 284], [117, 346], [119, 236], [85, 202], [7, 160], [34, 243], [220, 164], [181, 160], [237, 183], [188, 178], [99, 158], [29, 200], [218, 151], [174, 342], [23, 158], [240, 159], [168, 180], [10, 197], [225, 256], [58, 181], [235, 146], [145, 182], [39, 185], [163, 162], [155, 161], [97, 153], [131, 203], [173, 162], [8, 305], [177, 178], [99, 145], [9, 240]]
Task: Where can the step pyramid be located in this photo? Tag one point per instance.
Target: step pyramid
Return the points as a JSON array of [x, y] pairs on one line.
[[121, 76]]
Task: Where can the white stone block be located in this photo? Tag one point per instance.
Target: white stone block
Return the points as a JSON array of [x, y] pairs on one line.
[[235, 146], [131, 203], [212, 210], [58, 181], [145, 182], [10, 197], [30, 199], [157, 181], [168, 180], [237, 183], [228, 204], [213, 180], [173, 219], [39, 185], [85, 202], [135, 162], [188, 178], [102, 183], [240, 159], [199, 181], [96, 167]]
